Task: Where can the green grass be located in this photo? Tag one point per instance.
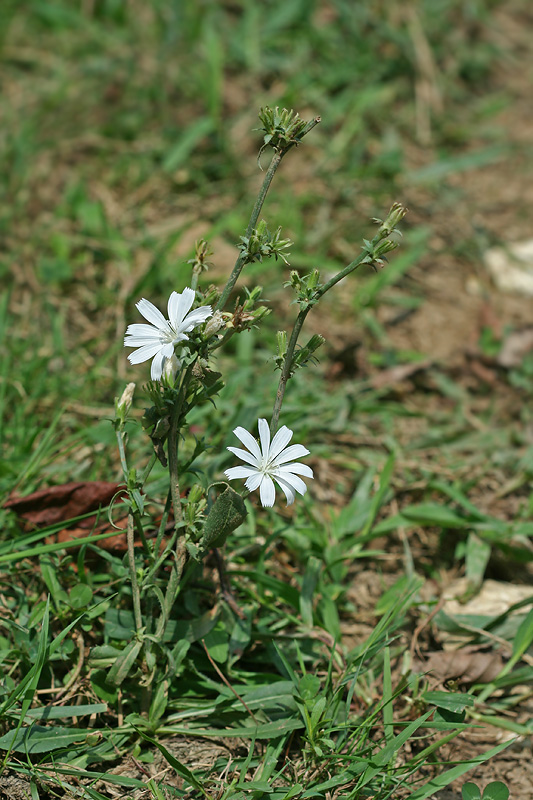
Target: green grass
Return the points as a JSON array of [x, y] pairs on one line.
[[127, 134]]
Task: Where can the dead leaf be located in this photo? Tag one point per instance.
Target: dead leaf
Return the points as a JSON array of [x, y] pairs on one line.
[[494, 598], [400, 372], [511, 267], [465, 665], [64, 502], [516, 345]]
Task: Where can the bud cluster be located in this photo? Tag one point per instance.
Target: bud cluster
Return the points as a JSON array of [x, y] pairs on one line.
[[301, 356], [306, 287], [201, 253], [282, 128], [376, 250], [246, 314], [264, 244]]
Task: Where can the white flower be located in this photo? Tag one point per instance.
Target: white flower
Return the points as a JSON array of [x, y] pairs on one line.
[[159, 339], [271, 461]]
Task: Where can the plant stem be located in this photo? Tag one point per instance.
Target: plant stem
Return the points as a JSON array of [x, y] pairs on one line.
[[274, 164], [286, 369], [241, 260], [173, 435], [300, 319], [180, 553], [343, 273], [133, 506], [162, 527], [133, 575]]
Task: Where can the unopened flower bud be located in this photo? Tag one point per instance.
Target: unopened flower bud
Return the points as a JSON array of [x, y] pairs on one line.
[[214, 325], [295, 280], [281, 337], [313, 279], [123, 405], [170, 370], [315, 342], [395, 215]]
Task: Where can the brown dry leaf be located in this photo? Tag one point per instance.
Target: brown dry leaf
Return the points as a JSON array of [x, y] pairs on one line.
[[398, 373], [64, 502], [494, 598], [114, 543], [517, 345], [465, 665]]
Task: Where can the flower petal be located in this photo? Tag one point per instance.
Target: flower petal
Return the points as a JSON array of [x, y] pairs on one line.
[[299, 469], [287, 489], [239, 472], [254, 481], [267, 492], [178, 305], [139, 334], [294, 482], [157, 366], [152, 314], [264, 436], [144, 353], [248, 441], [245, 455], [291, 453], [196, 317], [279, 442]]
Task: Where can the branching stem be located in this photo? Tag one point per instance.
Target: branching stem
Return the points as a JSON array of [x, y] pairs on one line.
[[287, 368], [258, 205]]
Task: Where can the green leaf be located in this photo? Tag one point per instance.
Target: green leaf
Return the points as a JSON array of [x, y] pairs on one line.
[[523, 638], [384, 480], [102, 689], [451, 701], [308, 687], [38, 739], [470, 792], [217, 643], [181, 151], [181, 769], [434, 514], [445, 778], [496, 791], [159, 701], [80, 596], [226, 514], [265, 730], [61, 712], [477, 557], [310, 580], [125, 661]]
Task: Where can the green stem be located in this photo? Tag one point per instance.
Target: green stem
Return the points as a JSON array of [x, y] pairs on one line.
[[133, 575], [122, 453], [149, 467], [286, 369], [162, 526], [241, 260], [133, 508], [173, 465], [180, 553], [258, 205], [288, 361], [343, 273]]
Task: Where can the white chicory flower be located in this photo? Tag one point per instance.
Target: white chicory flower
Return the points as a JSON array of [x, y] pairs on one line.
[[271, 461], [159, 339]]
